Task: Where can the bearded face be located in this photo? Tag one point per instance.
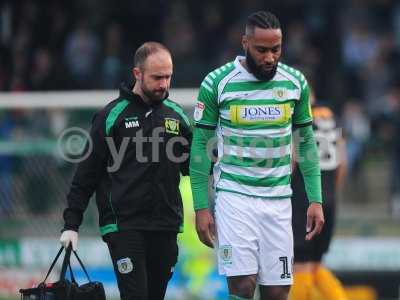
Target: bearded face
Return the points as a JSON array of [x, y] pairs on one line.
[[154, 77], [259, 70], [263, 51], [156, 93]]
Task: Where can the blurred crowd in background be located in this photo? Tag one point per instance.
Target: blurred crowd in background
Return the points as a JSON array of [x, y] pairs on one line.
[[348, 49]]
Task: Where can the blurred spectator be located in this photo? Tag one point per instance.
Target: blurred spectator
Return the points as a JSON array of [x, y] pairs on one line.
[[359, 47], [6, 163], [396, 22], [42, 78], [82, 49], [390, 132], [112, 65], [232, 46], [18, 83], [58, 17], [181, 36], [297, 43], [376, 76], [3, 76], [357, 130], [181, 40]]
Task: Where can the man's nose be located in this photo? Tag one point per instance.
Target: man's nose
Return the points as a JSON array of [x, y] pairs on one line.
[[269, 58], [163, 83]]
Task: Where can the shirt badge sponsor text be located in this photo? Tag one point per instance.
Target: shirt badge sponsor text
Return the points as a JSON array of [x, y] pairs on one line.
[[277, 114]]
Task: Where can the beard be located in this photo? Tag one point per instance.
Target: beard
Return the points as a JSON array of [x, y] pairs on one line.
[[257, 70], [156, 97]]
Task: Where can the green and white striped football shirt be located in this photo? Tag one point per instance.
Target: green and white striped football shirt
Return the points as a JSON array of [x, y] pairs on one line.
[[253, 121]]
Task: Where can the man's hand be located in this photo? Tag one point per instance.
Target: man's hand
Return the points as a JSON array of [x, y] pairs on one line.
[[205, 227], [67, 237], [315, 220]]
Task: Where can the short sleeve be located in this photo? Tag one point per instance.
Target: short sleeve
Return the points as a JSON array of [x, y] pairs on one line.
[[206, 109], [302, 110]]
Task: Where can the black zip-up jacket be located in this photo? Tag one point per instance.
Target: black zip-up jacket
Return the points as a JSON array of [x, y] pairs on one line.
[[141, 192]]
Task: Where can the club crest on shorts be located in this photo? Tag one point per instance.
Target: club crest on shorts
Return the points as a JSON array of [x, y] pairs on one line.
[[225, 253], [125, 265]]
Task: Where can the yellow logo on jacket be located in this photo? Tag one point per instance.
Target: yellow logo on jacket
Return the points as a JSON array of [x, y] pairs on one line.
[[172, 126]]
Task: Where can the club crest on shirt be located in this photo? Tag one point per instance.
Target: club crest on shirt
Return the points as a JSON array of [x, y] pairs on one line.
[[198, 111], [125, 265], [172, 126], [280, 93], [225, 253]]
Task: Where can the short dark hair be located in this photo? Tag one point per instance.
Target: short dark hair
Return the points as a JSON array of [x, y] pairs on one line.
[[262, 19], [145, 50]]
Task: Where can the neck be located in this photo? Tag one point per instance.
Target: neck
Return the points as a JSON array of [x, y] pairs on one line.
[[138, 91]]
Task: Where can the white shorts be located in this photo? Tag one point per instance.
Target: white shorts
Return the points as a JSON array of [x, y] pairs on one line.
[[254, 236]]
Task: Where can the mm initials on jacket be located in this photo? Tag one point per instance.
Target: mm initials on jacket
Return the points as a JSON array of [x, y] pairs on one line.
[[131, 122]]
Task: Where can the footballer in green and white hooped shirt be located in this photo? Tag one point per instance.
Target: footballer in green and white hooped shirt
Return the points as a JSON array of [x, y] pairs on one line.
[[254, 106]]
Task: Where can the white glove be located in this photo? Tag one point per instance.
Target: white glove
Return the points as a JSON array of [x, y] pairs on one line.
[[67, 237]]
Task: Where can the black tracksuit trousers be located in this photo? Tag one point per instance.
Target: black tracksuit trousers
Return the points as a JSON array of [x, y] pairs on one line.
[[143, 262]]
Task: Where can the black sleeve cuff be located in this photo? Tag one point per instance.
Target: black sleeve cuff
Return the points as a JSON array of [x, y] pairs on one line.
[[70, 227], [296, 126], [72, 219], [204, 126]]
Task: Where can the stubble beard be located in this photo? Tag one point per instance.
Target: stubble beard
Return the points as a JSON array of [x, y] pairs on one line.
[[155, 98], [257, 71]]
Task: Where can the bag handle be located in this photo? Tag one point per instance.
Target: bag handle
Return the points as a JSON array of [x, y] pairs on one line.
[[83, 267], [71, 273], [53, 264], [65, 263]]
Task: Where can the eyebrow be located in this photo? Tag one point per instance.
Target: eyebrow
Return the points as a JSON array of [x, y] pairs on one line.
[[268, 48], [161, 75]]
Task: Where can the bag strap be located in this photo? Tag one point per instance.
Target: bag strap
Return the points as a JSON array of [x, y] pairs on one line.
[[53, 264], [65, 263], [83, 267], [71, 273]]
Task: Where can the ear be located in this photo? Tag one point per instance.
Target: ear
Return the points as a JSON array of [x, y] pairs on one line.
[[137, 74], [245, 43]]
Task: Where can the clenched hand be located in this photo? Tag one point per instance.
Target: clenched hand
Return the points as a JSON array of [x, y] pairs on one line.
[[315, 220], [205, 227]]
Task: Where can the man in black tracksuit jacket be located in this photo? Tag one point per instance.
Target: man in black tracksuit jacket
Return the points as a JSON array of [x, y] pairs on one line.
[[139, 147]]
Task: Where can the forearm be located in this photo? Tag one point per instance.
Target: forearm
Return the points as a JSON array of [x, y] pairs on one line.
[[88, 175], [200, 165], [84, 184], [308, 160]]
